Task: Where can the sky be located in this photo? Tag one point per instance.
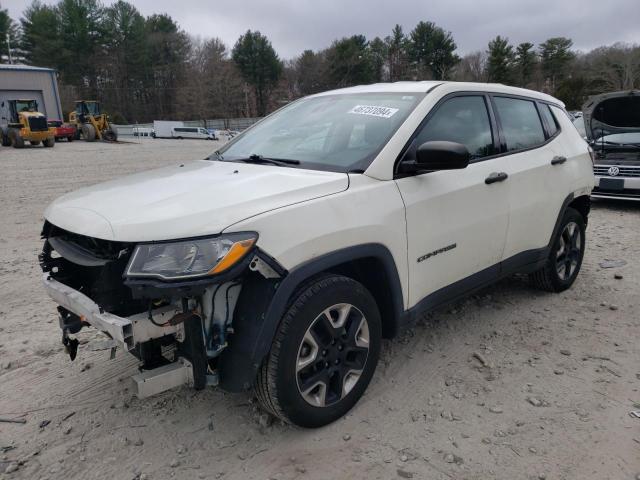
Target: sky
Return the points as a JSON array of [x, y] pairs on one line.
[[296, 25]]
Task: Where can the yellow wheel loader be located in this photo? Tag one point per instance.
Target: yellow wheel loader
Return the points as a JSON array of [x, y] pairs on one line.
[[21, 122], [90, 123]]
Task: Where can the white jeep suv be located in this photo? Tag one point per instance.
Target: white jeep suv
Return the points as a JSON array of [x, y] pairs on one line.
[[280, 262]]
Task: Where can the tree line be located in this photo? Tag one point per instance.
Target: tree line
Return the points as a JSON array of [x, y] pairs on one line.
[[147, 67]]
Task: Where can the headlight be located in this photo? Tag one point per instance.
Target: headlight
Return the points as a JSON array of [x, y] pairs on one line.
[[190, 258]]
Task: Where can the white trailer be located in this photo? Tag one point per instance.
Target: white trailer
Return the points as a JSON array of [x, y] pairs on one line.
[[164, 128]]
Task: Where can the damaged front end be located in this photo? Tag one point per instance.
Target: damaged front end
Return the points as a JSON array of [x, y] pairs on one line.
[[170, 304]]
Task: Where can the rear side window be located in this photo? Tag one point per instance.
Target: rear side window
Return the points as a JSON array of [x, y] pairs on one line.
[[549, 119], [463, 120], [520, 122]]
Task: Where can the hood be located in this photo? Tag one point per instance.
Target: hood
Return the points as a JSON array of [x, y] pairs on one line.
[[612, 113], [195, 199]]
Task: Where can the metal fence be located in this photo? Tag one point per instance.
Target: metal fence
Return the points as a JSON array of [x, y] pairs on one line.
[[218, 124]]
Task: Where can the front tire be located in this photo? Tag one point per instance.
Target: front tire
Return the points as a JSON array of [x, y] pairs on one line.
[[323, 355], [16, 140], [110, 135], [88, 132], [565, 258]]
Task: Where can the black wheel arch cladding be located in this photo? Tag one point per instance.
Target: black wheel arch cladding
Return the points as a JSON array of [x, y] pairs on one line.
[[263, 303]]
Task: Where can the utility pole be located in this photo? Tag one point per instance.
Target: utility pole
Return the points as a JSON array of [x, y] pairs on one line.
[[9, 48]]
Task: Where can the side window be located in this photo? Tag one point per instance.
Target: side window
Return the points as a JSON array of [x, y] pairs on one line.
[[463, 120], [520, 123], [549, 119]]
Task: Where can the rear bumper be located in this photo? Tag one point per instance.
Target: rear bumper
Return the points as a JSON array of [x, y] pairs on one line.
[[127, 332]]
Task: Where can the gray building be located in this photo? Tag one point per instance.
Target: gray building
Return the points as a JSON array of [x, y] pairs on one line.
[[26, 82]]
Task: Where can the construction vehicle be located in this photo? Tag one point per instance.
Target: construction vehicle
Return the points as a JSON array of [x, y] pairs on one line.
[[90, 123], [21, 122]]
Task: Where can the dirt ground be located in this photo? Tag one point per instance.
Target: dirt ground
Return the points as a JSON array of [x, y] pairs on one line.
[[508, 384]]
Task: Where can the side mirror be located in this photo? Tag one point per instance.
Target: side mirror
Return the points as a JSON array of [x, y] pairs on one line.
[[441, 155]]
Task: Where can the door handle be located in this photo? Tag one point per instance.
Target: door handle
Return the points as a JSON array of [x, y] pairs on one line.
[[557, 160], [496, 177]]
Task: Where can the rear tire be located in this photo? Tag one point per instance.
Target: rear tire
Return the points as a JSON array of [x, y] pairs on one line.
[[6, 141], [565, 258], [323, 355], [70, 139], [88, 133], [49, 142]]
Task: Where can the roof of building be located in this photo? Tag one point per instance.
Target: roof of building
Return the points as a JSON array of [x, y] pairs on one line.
[[25, 68]]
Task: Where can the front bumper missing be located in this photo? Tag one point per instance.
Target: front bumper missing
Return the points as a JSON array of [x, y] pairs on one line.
[[127, 332], [163, 378]]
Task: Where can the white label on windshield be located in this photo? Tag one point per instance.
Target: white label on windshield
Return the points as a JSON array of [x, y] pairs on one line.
[[383, 112]]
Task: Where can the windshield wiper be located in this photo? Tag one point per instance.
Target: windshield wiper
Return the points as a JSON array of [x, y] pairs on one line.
[[217, 154], [607, 142], [273, 161]]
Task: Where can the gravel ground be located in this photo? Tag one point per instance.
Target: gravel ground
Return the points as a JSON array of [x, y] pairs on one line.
[[509, 384]]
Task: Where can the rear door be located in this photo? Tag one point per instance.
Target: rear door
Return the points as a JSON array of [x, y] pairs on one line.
[[534, 165], [456, 221]]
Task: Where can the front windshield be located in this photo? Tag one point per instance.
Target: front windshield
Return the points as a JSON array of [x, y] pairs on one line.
[[88, 108], [341, 132], [26, 105]]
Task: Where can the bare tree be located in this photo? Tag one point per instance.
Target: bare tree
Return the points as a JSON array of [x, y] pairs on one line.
[[472, 68], [617, 66]]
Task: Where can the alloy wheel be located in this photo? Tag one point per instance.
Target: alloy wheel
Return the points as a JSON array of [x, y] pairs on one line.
[[569, 251], [332, 355]]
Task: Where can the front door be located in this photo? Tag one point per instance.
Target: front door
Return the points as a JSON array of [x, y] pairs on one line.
[[456, 221]]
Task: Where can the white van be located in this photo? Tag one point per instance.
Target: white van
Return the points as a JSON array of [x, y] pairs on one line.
[[192, 132]]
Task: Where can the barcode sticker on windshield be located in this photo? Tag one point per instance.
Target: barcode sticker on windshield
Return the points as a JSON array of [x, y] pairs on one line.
[[383, 112]]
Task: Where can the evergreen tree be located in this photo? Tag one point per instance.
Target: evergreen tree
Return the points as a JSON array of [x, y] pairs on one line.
[[168, 50], [431, 50], [40, 40], [397, 60], [555, 57], [124, 63], [311, 72], [259, 65], [378, 56], [500, 61], [349, 62], [525, 63], [81, 39], [8, 35]]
